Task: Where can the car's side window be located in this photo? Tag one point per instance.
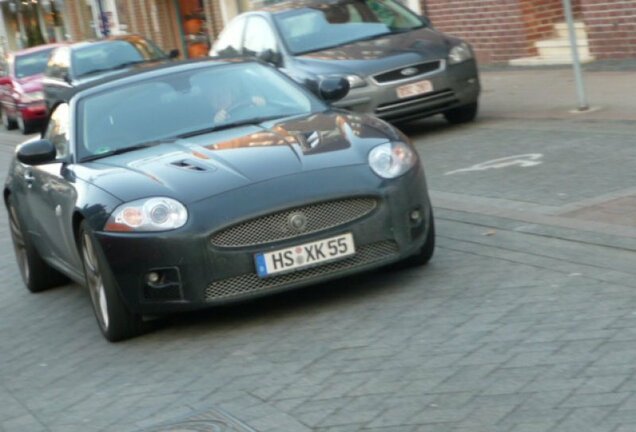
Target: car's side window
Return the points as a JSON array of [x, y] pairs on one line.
[[57, 130], [229, 43], [58, 65], [259, 37]]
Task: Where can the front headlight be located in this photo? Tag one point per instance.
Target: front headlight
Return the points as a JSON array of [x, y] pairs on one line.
[[354, 80], [150, 214], [392, 159], [460, 53]]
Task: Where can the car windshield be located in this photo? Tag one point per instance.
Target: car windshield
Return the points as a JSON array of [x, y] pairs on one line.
[[31, 64], [113, 54], [186, 103], [333, 24]]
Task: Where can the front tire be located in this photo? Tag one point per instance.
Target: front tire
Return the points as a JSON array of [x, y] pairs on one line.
[[24, 126], [6, 120], [36, 273], [424, 255], [114, 319], [462, 114]]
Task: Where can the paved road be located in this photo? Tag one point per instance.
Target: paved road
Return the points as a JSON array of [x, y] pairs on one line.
[[525, 320]]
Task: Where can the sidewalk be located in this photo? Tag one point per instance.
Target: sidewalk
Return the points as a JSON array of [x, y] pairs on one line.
[[551, 94], [586, 180]]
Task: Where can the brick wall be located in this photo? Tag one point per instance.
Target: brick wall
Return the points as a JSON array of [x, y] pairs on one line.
[[539, 17], [499, 30], [493, 27], [611, 28]]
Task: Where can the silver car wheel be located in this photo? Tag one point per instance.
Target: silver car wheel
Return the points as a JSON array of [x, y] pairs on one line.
[[5, 118], [95, 281], [21, 124], [19, 245]]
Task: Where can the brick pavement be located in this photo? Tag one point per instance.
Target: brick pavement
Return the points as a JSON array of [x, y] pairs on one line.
[[519, 324]]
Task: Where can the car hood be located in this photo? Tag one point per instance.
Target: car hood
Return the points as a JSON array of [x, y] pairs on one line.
[[31, 83], [377, 55], [197, 168]]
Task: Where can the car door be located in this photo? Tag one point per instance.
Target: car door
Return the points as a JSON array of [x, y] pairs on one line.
[[51, 194], [57, 76]]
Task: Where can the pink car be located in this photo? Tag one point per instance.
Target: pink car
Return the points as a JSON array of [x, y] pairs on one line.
[[21, 95]]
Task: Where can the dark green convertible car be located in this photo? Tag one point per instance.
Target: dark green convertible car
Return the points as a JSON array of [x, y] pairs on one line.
[[183, 186]]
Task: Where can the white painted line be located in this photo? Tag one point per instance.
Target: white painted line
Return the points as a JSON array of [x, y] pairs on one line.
[[523, 161]]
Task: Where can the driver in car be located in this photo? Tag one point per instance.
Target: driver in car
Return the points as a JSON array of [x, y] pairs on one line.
[[228, 100]]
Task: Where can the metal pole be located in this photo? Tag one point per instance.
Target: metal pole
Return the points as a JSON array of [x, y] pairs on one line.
[[576, 61], [103, 20]]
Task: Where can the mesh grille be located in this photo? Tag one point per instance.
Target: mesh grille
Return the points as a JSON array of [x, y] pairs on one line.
[[251, 283], [276, 226]]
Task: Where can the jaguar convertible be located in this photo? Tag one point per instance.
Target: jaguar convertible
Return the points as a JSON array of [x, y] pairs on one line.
[[183, 186]]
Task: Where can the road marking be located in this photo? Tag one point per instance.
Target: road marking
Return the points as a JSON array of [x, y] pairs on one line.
[[523, 161]]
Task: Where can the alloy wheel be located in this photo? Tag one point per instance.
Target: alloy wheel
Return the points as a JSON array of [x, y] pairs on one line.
[[95, 281], [19, 244], [5, 119], [21, 124]]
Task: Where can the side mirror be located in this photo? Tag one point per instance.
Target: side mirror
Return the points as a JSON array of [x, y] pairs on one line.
[[272, 57], [173, 54], [333, 89], [426, 21], [36, 152]]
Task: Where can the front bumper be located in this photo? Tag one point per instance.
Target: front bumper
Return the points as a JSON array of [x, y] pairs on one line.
[[201, 274], [453, 86]]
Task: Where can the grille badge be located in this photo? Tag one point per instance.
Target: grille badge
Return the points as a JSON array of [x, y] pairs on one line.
[[297, 221], [409, 71]]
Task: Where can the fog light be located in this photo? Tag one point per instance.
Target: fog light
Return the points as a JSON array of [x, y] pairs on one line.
[[153, 277], [163, 284], [416, 216]]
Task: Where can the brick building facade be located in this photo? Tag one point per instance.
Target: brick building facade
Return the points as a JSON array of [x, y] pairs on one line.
[[500, 30], [170, 23], [503, 30], [611, 27], [188, 25]]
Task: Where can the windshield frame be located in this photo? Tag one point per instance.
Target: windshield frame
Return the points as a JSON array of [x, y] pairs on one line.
[[78, 100], [276, 16], [92, 45]]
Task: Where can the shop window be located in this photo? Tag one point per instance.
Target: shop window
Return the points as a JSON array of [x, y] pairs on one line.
[[195, 28]]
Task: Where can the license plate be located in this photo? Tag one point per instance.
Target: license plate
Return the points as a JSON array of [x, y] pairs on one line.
[[304, 255], [418, 88]]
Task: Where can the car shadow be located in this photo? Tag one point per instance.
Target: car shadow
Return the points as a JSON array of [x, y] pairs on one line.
[[431, 126], [349, 290]]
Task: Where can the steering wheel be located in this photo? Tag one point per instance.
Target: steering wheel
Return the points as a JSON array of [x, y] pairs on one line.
[[226, 114]]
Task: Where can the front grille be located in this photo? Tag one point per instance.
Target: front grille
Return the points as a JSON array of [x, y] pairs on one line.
[[250, 283], [434, 98], [418, 69], [276, 226]]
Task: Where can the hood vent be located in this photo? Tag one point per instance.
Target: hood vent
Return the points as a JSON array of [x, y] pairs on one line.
[[309, 140], [189, 165]]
